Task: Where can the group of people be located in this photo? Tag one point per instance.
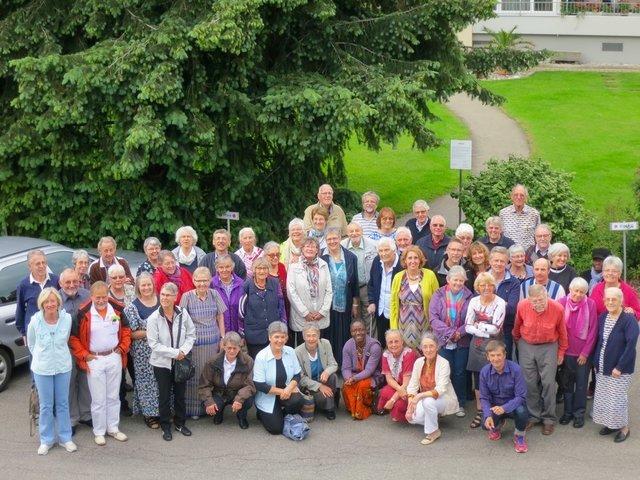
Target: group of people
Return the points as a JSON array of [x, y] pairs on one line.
[[404, 321]]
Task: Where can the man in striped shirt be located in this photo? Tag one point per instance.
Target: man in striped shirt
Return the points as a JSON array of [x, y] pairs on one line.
[[541, 277], [367, 219], [519, 219]]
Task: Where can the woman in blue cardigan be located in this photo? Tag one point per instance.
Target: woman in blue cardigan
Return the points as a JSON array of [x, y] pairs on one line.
[[615, 358]]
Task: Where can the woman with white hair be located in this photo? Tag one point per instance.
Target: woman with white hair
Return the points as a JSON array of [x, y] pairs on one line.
[[517, 266], [151, 248], [248, 251], [561, 272], [290, 248], [464, 233], [80, 260], [119, 290], [611, 273], [581, 321], [187, 252]]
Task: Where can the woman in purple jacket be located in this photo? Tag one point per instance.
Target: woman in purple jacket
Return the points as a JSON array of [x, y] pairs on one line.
[[447, 312], [230, 287]]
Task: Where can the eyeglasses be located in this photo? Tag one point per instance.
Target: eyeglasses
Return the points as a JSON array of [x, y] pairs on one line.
[[117, 277], [437, 224], [273, 255]]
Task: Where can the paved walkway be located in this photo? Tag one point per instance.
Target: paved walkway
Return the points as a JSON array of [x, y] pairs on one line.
[[494, 135]]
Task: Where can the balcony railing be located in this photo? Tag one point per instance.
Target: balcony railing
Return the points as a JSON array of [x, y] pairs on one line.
[[564, 7]]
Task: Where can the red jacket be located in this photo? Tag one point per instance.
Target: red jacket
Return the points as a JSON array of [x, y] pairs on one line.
[[185, 285], [80, 338]]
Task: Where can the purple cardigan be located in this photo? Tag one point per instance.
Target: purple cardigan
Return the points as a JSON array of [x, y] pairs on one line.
[[232, 320], [438, 315], [372, 355]]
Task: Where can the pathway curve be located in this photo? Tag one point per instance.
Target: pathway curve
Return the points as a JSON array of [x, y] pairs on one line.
[[494, 135]]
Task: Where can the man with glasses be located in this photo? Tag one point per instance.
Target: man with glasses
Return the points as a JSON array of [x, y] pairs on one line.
[[540, 249], [435, 244], [419, 225], [453, 256], [336, 218]]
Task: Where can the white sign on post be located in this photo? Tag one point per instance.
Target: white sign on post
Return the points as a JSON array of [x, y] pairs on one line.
[[461, 154], [623, 226], [229, 216]]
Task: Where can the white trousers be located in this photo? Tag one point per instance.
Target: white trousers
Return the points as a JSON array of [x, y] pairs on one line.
[[104, 378], [427, 411]]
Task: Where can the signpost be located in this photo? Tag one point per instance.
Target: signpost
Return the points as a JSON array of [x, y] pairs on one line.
[[461, 159], [623, 227], [228, 216]]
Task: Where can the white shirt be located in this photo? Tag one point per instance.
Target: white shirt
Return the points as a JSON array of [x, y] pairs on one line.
[[43, 283], [229, 368], [384, 302], [104, 331]]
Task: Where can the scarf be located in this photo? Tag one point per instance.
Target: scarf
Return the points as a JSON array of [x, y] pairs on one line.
[[312, 269], [453, 302], [186, 259], [395, 364], [595, 279], [576, 317], [176, 277]]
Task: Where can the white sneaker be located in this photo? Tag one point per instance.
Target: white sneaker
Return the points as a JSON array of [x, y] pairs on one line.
[[69, 446], [43, 449], [121, 437], [461, 413], [99, 439]]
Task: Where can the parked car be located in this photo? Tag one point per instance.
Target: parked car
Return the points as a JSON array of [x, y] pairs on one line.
[[13, 268]]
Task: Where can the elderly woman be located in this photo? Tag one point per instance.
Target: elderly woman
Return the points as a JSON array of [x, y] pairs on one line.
[[276, 375], [508, 289], [318, 375], [319, 219], [345, 304], [80, 260], [397, 364], [485, 316], [170, 271], [290, 248], [206, 309], [171, 335], [151, 248], [187, 252], [611, 274], [560, 271], [145, 388], [309, 290], [360, 371], [430, 391], [119, 290], [386, 222], [581, 321], [230, 288], [411, 292], [248, 251], [517, 266], [448, 314], [464, 233], [227, 379], [261, 305], [495, 234], [47, 339], [615, 359], [277, 269]]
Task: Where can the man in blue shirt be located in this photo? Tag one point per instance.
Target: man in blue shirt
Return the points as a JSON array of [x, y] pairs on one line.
[[28, 289], [503, 393]]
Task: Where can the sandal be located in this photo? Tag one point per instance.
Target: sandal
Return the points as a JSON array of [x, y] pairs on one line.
[[152, 422], [477, 420]]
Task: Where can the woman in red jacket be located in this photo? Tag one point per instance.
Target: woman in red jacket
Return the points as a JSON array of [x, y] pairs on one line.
[[169, 271]]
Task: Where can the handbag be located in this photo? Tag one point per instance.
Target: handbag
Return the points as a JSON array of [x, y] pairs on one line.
[[184, 369]]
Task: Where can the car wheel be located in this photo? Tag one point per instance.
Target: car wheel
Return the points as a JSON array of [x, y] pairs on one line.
[[6, 368]]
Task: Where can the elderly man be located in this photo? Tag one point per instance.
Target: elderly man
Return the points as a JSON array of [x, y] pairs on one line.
[[541, 277], [495, 237], [540, 249], [107, 250], [365, 249], [519, 219], [30, 287], [453, 256], [594, 275], [73, 296], [403, 239], [336, 214], [384, 267], [435, 244], [221, 240], [367, 219], [541, 336], [419, 225]]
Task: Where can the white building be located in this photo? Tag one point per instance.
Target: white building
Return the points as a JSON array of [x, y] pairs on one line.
[[593, 31]]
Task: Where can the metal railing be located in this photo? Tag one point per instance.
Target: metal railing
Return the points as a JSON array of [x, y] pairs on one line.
[[564, 7]]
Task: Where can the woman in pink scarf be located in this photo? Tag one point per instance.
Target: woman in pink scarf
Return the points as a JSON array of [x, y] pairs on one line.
[[582, 330], [169, 271]]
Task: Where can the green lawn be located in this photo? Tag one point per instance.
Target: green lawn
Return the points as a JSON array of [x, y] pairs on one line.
[[403, 174], [582, 122]]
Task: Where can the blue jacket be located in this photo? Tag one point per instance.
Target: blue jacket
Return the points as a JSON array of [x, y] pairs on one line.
[[375, 279], [27, 300], [353, 286], [509, 291], [258, 312], [434, 255], [621, 345]]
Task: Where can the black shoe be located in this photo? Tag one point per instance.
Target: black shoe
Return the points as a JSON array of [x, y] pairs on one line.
[[565, 419], [606, 431], [166, 435], [621, 437], [578, 422], [244, 424], [183, 430], [330, 414], [218, 418], [88, 423]]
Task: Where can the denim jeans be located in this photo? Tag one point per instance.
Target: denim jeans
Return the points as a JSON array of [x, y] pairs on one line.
[[457, 359], [520, 417], [54, 390], [575, 379]]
